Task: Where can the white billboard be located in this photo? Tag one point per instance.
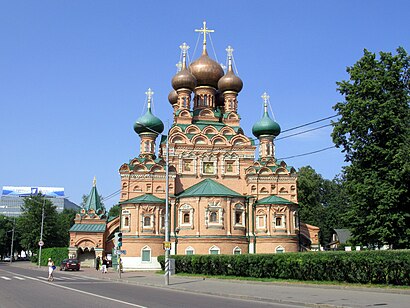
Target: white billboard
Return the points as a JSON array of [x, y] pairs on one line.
[[29, 191]]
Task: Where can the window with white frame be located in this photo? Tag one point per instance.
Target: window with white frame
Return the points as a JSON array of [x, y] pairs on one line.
[[279, 249], [214, 250], [239, 215], [296, 219], [214, 214], [146, 254], [208, 165], [237, 251], [279, 221], [147, 220], [186, 215], [189, 251]]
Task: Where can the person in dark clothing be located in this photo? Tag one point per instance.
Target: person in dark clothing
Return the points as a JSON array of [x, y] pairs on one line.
[[104, 265], [97, 263]]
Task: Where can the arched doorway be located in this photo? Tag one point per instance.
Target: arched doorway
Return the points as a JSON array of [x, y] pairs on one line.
[[86, 256]]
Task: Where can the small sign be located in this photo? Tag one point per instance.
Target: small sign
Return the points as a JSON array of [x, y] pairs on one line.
[[120, 252], [167, 245], [40, 243]]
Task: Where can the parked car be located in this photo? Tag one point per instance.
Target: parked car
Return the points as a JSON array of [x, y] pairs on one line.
[[72, 264]]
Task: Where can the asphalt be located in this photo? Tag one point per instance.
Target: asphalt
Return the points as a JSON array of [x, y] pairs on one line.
[[287, 293]]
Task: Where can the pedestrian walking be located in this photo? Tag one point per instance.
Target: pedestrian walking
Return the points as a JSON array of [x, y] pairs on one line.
[[104, 265], [97, 263], [51, 268]]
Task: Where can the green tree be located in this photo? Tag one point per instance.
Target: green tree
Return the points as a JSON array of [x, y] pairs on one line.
[[114, 211], [374, 133], [29, 224], [321, 202], [65, 222]]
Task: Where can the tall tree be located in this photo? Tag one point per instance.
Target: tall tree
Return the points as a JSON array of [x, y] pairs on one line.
[[29, 224], [374, 133], [321, 202], [114, 211], [65, 222]]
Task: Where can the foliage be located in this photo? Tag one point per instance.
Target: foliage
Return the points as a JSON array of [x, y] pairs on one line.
[[114, 211], [5, 227], [29, 224], [374, 133], [321, 202], [378, 267], [65, 222], [56, 254]]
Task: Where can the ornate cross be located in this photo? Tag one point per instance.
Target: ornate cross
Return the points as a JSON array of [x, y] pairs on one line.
[[179, 66], [149, 95], [229, 50], [265, 98], [204, 30], [184, 47]]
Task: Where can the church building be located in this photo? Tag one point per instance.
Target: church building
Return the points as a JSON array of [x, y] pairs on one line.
[[223, 198]]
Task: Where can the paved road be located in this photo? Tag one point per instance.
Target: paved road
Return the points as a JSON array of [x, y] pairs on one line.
[[24, 287], [264, 293]]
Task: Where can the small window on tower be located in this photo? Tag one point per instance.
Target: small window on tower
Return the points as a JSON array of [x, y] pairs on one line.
[[229, 166]]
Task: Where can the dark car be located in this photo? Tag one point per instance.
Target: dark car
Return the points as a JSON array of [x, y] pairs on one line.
[[72, 264]]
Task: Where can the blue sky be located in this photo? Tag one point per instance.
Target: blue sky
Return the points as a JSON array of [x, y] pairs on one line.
[[73, 76]]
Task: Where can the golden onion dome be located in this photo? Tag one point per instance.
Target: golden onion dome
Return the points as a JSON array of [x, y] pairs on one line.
[[230, 82], [173, 97], [184, 79], [206, 71]]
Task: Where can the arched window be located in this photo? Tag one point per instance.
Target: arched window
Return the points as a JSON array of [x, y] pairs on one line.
[[126, 221], [214, 250], [189, 251], [237, 251], [147, 221], [280, 249], [186, 218], [213, 217]]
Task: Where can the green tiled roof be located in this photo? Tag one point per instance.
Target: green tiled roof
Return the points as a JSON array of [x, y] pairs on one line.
[[147, 198], [274, 200], [93, 202], [208, 187], [88, 228]]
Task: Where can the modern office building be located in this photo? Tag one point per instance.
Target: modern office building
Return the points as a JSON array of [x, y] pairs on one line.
[[12, 198]]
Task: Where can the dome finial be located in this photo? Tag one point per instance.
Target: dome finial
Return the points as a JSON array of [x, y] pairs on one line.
[[265, 98], [229, 51], [149, 95], [184, 48], [204, 30], [179, 66]]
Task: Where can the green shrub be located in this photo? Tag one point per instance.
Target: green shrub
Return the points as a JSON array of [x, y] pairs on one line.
[[57, 254], [377, 267]]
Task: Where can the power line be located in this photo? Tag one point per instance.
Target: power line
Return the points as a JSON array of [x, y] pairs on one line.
[[309, 153], [303, 132], [310, 123]]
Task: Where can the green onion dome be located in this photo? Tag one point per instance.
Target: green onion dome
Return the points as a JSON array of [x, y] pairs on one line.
[[265, 126], [206, 71], [148, 123]]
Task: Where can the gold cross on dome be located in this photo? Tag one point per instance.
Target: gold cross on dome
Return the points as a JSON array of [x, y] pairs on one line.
[[229, 50], [204, 30]]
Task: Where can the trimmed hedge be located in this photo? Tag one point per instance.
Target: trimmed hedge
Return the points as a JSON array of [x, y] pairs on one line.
[[57, 254], [377, 267]]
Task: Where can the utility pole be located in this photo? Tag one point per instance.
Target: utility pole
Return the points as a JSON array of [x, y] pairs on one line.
[[167, 239], [41, 232], [12, 240]]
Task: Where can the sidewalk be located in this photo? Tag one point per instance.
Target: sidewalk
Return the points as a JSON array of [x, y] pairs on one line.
[[299, 294]]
